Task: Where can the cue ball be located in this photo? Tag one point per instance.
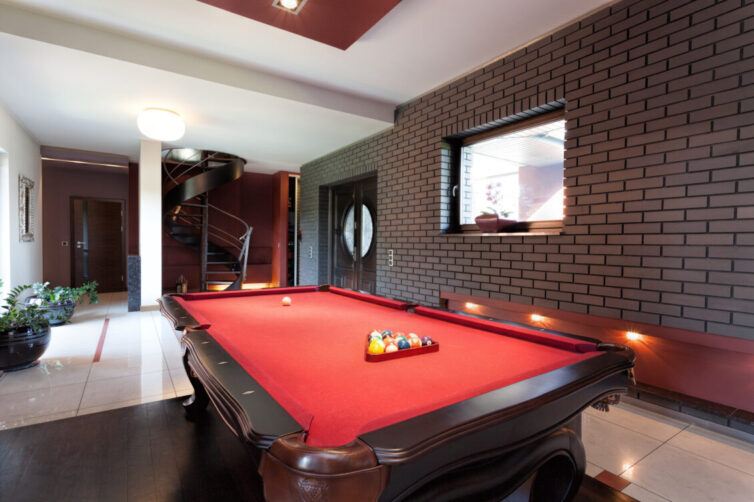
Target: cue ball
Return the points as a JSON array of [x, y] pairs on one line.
[[286, 301]]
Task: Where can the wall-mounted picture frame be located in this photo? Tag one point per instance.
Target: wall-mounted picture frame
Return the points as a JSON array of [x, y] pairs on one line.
[[25, 209]]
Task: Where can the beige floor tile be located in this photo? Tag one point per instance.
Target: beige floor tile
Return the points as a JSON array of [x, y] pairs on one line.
[[41, 402], [592, 469], [47, 374], [642, 494], [717, 447], [613, 447], [142, 388], [116, 367], [640, 420], [120, 404], [681, 476], [22, 422], [181, 383]]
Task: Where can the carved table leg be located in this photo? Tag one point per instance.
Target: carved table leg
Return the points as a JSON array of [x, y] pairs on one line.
[[197, 403]]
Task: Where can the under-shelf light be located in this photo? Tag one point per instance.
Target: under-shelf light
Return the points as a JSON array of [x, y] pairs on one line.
[[633, 335]]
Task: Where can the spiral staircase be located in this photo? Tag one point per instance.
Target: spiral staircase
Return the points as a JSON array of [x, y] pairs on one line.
[[188, 178]]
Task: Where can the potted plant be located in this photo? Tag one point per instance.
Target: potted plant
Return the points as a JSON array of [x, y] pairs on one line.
[[490, 221], [24, 332], [59, 302]]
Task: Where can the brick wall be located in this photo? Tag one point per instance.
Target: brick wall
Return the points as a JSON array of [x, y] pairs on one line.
[[659, 173]]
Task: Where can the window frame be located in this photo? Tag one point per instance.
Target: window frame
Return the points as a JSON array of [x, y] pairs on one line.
[[457, 144]]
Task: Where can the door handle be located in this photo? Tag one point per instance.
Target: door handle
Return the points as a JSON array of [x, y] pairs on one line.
[[80, 244]]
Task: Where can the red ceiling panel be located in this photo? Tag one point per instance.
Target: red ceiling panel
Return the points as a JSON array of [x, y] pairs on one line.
[[338, 23]]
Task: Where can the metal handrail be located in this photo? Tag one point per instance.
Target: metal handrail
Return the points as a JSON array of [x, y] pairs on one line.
[[229, 238]]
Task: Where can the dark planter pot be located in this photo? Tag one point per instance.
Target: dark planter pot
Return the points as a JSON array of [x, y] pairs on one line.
[[502, 224], [57, 313], [22, 348], [492, 223], [487, 223]]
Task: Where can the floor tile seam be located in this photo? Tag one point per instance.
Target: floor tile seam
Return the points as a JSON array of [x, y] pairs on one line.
[[129, 376], [676, 416], [156, 324], [137, 373], [715, 427], [647, 489], [34, 390], [23, 417], [639, 460], [88, 374], [86, 384], [131, 402], [47, 387], [711, 460], [627, 428], [686, 452]]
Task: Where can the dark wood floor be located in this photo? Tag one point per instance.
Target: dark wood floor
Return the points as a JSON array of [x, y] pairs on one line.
[[144, 453]]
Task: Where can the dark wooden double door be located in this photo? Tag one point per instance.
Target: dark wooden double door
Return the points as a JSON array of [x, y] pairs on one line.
[[354, 237], [97, 241]]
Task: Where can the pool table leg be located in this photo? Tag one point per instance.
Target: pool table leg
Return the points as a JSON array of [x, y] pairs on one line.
[[197, 403]]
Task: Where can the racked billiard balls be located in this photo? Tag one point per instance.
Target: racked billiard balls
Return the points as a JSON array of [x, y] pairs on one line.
[[376, 347]]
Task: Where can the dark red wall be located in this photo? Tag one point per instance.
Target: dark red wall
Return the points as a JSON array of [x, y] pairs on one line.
[[60, 183], [249, 197]]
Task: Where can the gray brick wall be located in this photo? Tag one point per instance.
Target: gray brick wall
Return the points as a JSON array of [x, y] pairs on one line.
[[659, 173]]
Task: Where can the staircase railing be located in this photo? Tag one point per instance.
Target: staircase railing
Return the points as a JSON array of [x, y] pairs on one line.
[[177, 215]]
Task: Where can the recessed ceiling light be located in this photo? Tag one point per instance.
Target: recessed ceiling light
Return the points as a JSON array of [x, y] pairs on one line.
[[293, 6], [160, 124]]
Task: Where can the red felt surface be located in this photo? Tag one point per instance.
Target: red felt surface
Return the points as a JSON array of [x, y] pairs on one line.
[[310, 358]]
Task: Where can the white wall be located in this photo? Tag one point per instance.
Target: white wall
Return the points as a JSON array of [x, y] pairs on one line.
[[150, 222], [22, 151], [4, 224]]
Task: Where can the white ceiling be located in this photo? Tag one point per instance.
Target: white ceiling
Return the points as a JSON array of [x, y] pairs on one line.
[[82, 69]]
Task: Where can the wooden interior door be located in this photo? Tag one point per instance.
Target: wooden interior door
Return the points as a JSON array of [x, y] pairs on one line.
[[343, 263], [354, 242], [97, 242]]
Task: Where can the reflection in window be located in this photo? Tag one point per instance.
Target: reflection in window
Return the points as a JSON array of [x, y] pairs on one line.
[[367, 230], [519, 173]]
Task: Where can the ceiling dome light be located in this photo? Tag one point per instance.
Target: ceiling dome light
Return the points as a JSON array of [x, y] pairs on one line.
[[160, 124], [289, 4]]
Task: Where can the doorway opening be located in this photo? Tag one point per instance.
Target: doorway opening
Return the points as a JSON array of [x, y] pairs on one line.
[[97, 238], [353, 246]]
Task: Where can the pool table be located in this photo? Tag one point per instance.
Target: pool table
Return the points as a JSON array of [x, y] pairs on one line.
[[494, 413]]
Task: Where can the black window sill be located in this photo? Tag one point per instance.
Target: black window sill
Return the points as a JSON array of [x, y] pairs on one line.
[[530, 228]]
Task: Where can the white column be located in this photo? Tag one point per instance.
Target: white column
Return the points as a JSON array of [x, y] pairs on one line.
[[150, 222]]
